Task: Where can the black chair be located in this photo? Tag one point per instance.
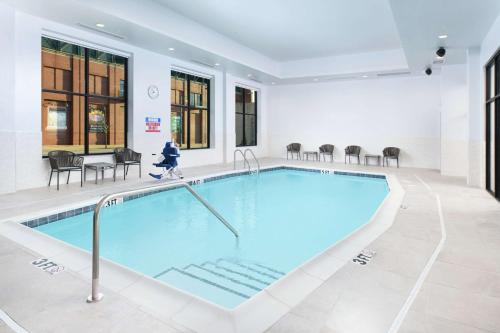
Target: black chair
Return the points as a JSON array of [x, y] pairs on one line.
[[65, 161], [352, 151], [326, 150], [293, 148], [390, 153], [127, 157]]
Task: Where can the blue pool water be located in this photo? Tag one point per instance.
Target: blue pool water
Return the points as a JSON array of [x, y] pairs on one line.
[[284, 217]]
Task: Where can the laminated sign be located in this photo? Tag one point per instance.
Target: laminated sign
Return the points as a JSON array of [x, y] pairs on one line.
[[153, 124]]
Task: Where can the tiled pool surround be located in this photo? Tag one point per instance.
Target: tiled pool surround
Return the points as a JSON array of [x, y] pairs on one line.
[[254, 315]]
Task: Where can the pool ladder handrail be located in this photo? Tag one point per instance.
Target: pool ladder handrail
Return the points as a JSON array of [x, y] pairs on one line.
[[95, 296], [253, 155], [245, 161]]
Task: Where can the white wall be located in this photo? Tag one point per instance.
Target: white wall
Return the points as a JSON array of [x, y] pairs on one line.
[[23, 166], [7, 102], [454, 121], [475, 157], [373, 114]]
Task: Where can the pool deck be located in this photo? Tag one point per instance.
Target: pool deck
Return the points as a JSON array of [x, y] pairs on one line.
[[461, 292]]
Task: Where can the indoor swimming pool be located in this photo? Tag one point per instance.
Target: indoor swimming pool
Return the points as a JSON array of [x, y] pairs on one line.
[[284, 217]]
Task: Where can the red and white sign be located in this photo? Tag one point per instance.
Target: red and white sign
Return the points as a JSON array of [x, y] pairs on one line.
[[153, 125]]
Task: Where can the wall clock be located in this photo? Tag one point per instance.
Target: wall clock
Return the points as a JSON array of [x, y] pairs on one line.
[[153, 92]]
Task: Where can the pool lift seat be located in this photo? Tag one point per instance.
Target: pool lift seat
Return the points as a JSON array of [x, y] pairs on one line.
[[169, 163]]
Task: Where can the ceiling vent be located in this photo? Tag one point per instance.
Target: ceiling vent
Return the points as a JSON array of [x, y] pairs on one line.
[[99, 30], [340, 78], [258, 81], [199, 62], [393, 74]]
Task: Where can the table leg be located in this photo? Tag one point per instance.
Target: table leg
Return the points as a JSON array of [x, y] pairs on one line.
[[96, 175], [102, 174]]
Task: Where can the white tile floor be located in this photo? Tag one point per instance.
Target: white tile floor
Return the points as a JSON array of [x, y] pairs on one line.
[[461, 293]]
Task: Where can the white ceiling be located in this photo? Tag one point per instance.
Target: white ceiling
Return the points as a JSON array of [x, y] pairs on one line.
[[287, 41], [297, 29], [420, 22]]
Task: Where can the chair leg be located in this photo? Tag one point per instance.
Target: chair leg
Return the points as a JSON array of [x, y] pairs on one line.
[[81, 178], [124, 174], [69, 173], [397, 161], [127, 169], [359, 162], [58, 180], [140, 171], [50, 178]]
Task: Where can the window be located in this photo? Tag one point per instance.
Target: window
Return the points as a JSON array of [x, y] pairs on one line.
[[190, 110], [84, 99], [493, 126], [246, 117]]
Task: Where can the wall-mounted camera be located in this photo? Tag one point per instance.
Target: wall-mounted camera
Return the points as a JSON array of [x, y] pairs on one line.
[[428, 71], [441, 52]]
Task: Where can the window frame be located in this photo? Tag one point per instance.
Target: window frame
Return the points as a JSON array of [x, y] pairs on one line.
[[86, 95], [244, 114], [494, 101], [191, 77]]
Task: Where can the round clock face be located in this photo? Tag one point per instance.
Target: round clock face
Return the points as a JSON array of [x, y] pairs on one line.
[[153, 92]]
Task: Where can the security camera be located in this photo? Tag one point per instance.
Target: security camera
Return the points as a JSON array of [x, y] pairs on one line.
[[441, 52], [428, 71]]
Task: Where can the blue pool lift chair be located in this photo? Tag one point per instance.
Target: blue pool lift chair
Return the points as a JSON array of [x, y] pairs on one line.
[[168, 163]]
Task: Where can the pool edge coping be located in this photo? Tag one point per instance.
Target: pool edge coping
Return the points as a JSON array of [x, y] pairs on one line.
[[272, 295]]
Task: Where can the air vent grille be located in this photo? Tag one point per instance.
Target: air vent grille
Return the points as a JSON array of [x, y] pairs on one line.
[[393, 74], [199, 62]]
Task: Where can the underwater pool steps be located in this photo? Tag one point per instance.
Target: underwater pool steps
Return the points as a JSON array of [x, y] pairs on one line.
[[225, 278], [250, 277], [201, 279], [247, 267]]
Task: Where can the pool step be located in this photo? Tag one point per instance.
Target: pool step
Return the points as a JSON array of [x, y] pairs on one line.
[[249, 269], [222, 279], [202, 287], [226, 281], [238, 274]]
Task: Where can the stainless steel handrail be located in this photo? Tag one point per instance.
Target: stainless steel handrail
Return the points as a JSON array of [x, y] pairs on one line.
[[245, 161], [96, 296], [255, 158]]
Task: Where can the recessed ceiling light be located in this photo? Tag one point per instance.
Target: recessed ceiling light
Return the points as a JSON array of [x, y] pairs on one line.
[[99, 25], [273, 83], [249, 75], [444, 36], [364, 76], [171, 49], [316, 80], [217, 64]]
